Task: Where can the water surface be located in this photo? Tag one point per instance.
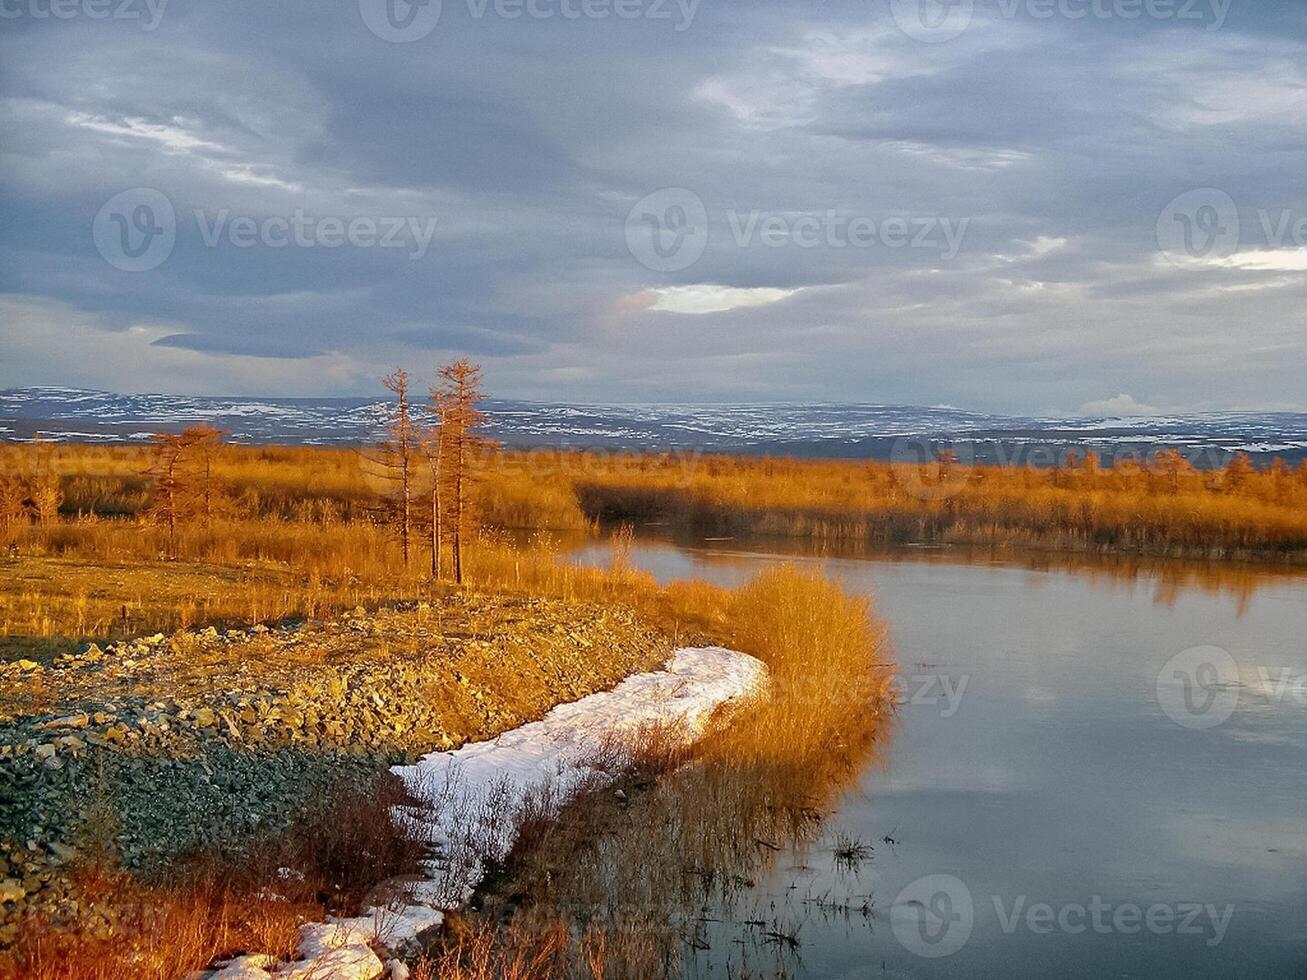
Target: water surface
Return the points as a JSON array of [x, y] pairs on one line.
[[1037, 763]]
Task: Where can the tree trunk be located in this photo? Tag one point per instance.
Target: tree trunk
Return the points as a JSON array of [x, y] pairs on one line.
[[435, 509], [458, 512]]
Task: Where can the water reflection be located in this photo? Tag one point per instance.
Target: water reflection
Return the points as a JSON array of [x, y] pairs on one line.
[[1053, 780], [679, 556], [672, 864]]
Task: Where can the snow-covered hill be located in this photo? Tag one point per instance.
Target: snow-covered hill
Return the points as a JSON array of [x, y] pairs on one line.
[[864, 431]]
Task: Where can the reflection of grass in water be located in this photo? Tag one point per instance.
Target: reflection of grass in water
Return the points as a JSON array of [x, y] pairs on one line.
[[850, 853], [650, 868]]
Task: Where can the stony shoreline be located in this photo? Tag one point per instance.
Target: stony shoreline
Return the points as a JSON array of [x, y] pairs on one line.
[[199, 739]]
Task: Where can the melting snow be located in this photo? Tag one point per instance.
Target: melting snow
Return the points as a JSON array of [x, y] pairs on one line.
[[476, 791]]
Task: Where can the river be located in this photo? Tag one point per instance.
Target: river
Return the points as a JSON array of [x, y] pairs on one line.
[[1098, 769]]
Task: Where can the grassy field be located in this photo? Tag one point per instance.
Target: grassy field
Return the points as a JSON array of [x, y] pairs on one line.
[[1161, 507], [301, 533], [304, 541]]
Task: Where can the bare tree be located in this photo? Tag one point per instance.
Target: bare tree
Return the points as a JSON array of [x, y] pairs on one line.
[[13, 508], [45, 492], [206, 443], [456, 395], [399, 452], [1238, 471], [433, 448], [185, 484], [167, 473]]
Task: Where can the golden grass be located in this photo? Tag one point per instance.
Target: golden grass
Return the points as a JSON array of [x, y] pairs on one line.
[[1162, 507], [693, 830], [310, 507], [213, 907]]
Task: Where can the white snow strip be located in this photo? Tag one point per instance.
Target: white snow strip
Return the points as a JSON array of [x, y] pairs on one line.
[[474, 793]]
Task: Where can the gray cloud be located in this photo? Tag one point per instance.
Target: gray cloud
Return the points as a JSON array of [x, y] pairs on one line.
[[1058, 143]]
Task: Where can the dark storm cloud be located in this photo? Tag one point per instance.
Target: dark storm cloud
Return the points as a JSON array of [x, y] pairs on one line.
[[342, 203]]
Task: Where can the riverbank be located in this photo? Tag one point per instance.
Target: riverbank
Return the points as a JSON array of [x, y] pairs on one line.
[[470, 804], [320, 513], [163, 757], [619, 885], [179, 800]]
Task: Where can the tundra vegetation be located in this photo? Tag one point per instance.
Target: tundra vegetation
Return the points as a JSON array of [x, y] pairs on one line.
[[210, 654]]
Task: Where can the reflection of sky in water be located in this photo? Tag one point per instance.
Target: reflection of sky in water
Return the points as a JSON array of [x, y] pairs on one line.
[[1059, 777]]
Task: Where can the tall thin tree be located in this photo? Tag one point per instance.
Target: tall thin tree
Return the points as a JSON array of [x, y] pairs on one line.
[[457, 395], [399, 453], [168, 473], [433, 448]]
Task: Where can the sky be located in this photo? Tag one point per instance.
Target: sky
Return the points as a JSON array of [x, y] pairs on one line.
[[1021, 206]]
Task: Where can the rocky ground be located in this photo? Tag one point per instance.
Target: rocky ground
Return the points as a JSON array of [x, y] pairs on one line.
[[199, 739]]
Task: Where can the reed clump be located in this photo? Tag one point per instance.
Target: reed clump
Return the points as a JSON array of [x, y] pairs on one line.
[[214, 906], [689, 831], [1160, 506]]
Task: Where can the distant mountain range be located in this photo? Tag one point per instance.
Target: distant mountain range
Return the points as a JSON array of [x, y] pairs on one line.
[[843, 431]]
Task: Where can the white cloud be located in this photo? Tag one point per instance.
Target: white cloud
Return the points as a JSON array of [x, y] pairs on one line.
[[1267, 260], [707, 298], [174, 138], [961, 157], [1117, 406]]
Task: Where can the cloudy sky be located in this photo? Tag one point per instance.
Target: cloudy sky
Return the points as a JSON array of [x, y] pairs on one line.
[[1006, 205]]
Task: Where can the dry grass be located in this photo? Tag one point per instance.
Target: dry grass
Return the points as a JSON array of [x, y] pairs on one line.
[[304, 532], [544, 951], [1160, 507], [214, 906], [637, 869]]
